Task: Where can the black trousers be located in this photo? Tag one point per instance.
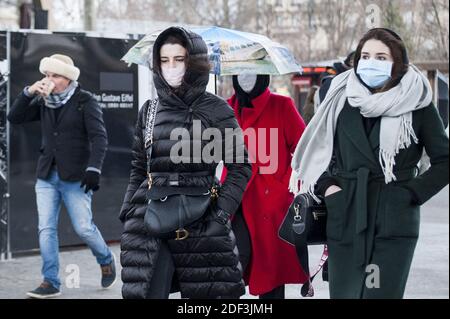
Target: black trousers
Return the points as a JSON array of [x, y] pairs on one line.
[[244, 245], [164, 271], [161, 283]]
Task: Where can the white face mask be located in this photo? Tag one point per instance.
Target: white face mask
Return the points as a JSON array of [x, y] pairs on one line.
[[375, 73], [174, 76], [247, 82]]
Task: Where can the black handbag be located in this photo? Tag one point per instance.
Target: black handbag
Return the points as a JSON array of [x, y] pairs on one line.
[[305, 224], [168, 217]]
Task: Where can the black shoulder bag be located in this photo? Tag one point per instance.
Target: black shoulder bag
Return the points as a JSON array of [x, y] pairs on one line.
[[168, 217], [306, 224]]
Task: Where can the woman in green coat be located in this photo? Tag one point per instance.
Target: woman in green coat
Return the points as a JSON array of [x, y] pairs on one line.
[[361, 152]]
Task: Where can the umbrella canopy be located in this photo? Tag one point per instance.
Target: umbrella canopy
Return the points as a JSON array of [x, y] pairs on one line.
[[231, 52]]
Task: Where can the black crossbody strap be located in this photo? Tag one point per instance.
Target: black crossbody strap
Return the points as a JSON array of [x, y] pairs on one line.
[[150, 122], [149, 129]]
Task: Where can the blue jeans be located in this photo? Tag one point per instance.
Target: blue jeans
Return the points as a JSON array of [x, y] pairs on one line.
[[49, 195]]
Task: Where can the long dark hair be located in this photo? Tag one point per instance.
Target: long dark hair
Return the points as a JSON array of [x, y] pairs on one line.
[[398, 51]]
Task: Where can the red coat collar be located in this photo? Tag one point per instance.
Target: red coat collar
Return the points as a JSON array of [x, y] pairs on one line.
[[250, 115]]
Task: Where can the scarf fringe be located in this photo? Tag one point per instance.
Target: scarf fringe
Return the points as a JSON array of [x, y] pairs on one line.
[[293, 182], [387, 160], [406, 133], [295, 189]]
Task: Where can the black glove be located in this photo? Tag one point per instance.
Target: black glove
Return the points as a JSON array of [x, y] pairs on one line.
[[91, 180], [222, 217]]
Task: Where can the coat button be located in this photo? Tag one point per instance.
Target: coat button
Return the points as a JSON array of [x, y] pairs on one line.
[[55, 134]]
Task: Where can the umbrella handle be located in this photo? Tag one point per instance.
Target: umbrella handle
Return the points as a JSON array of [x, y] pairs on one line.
[[215, 84]]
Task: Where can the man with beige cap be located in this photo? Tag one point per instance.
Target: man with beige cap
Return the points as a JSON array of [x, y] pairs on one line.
[[74, 143]]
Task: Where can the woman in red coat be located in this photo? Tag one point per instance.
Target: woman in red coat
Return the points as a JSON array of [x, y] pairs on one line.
[[272, 128]]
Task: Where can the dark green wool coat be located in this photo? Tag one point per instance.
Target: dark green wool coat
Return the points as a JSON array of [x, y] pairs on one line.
[[374, 223]]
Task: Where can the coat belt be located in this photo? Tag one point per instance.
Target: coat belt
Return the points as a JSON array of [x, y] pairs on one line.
[[363, 177]]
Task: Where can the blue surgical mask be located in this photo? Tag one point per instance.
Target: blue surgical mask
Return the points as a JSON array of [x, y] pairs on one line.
[[374, 73]]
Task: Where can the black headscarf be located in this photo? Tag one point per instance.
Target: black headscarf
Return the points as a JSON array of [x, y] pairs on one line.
[[197, 69], [244, 98]]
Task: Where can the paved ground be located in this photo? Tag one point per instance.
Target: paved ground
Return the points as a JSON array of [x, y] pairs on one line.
[[429, 274]]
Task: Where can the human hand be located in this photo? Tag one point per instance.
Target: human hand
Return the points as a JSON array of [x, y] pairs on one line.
[[91, 181], [43, 87], [332, 190]]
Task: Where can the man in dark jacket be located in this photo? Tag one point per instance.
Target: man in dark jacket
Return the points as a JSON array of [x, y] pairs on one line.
[[74, 143]]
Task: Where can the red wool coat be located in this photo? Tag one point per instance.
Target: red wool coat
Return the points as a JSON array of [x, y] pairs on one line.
[[267, 198]]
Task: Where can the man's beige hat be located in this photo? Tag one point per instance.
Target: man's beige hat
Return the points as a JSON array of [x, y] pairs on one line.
[[61, 65]]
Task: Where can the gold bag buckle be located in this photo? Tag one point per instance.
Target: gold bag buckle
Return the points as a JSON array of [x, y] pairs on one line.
[[182, 234], [214, 192]]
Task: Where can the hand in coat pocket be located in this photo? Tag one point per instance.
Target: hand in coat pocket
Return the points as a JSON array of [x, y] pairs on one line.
[[332, 190]]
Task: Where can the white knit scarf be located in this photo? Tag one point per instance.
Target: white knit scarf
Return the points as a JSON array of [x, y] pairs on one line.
[[315, 149]]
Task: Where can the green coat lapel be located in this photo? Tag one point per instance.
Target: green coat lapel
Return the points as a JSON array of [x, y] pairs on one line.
[[374, 137], [353, 128]]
